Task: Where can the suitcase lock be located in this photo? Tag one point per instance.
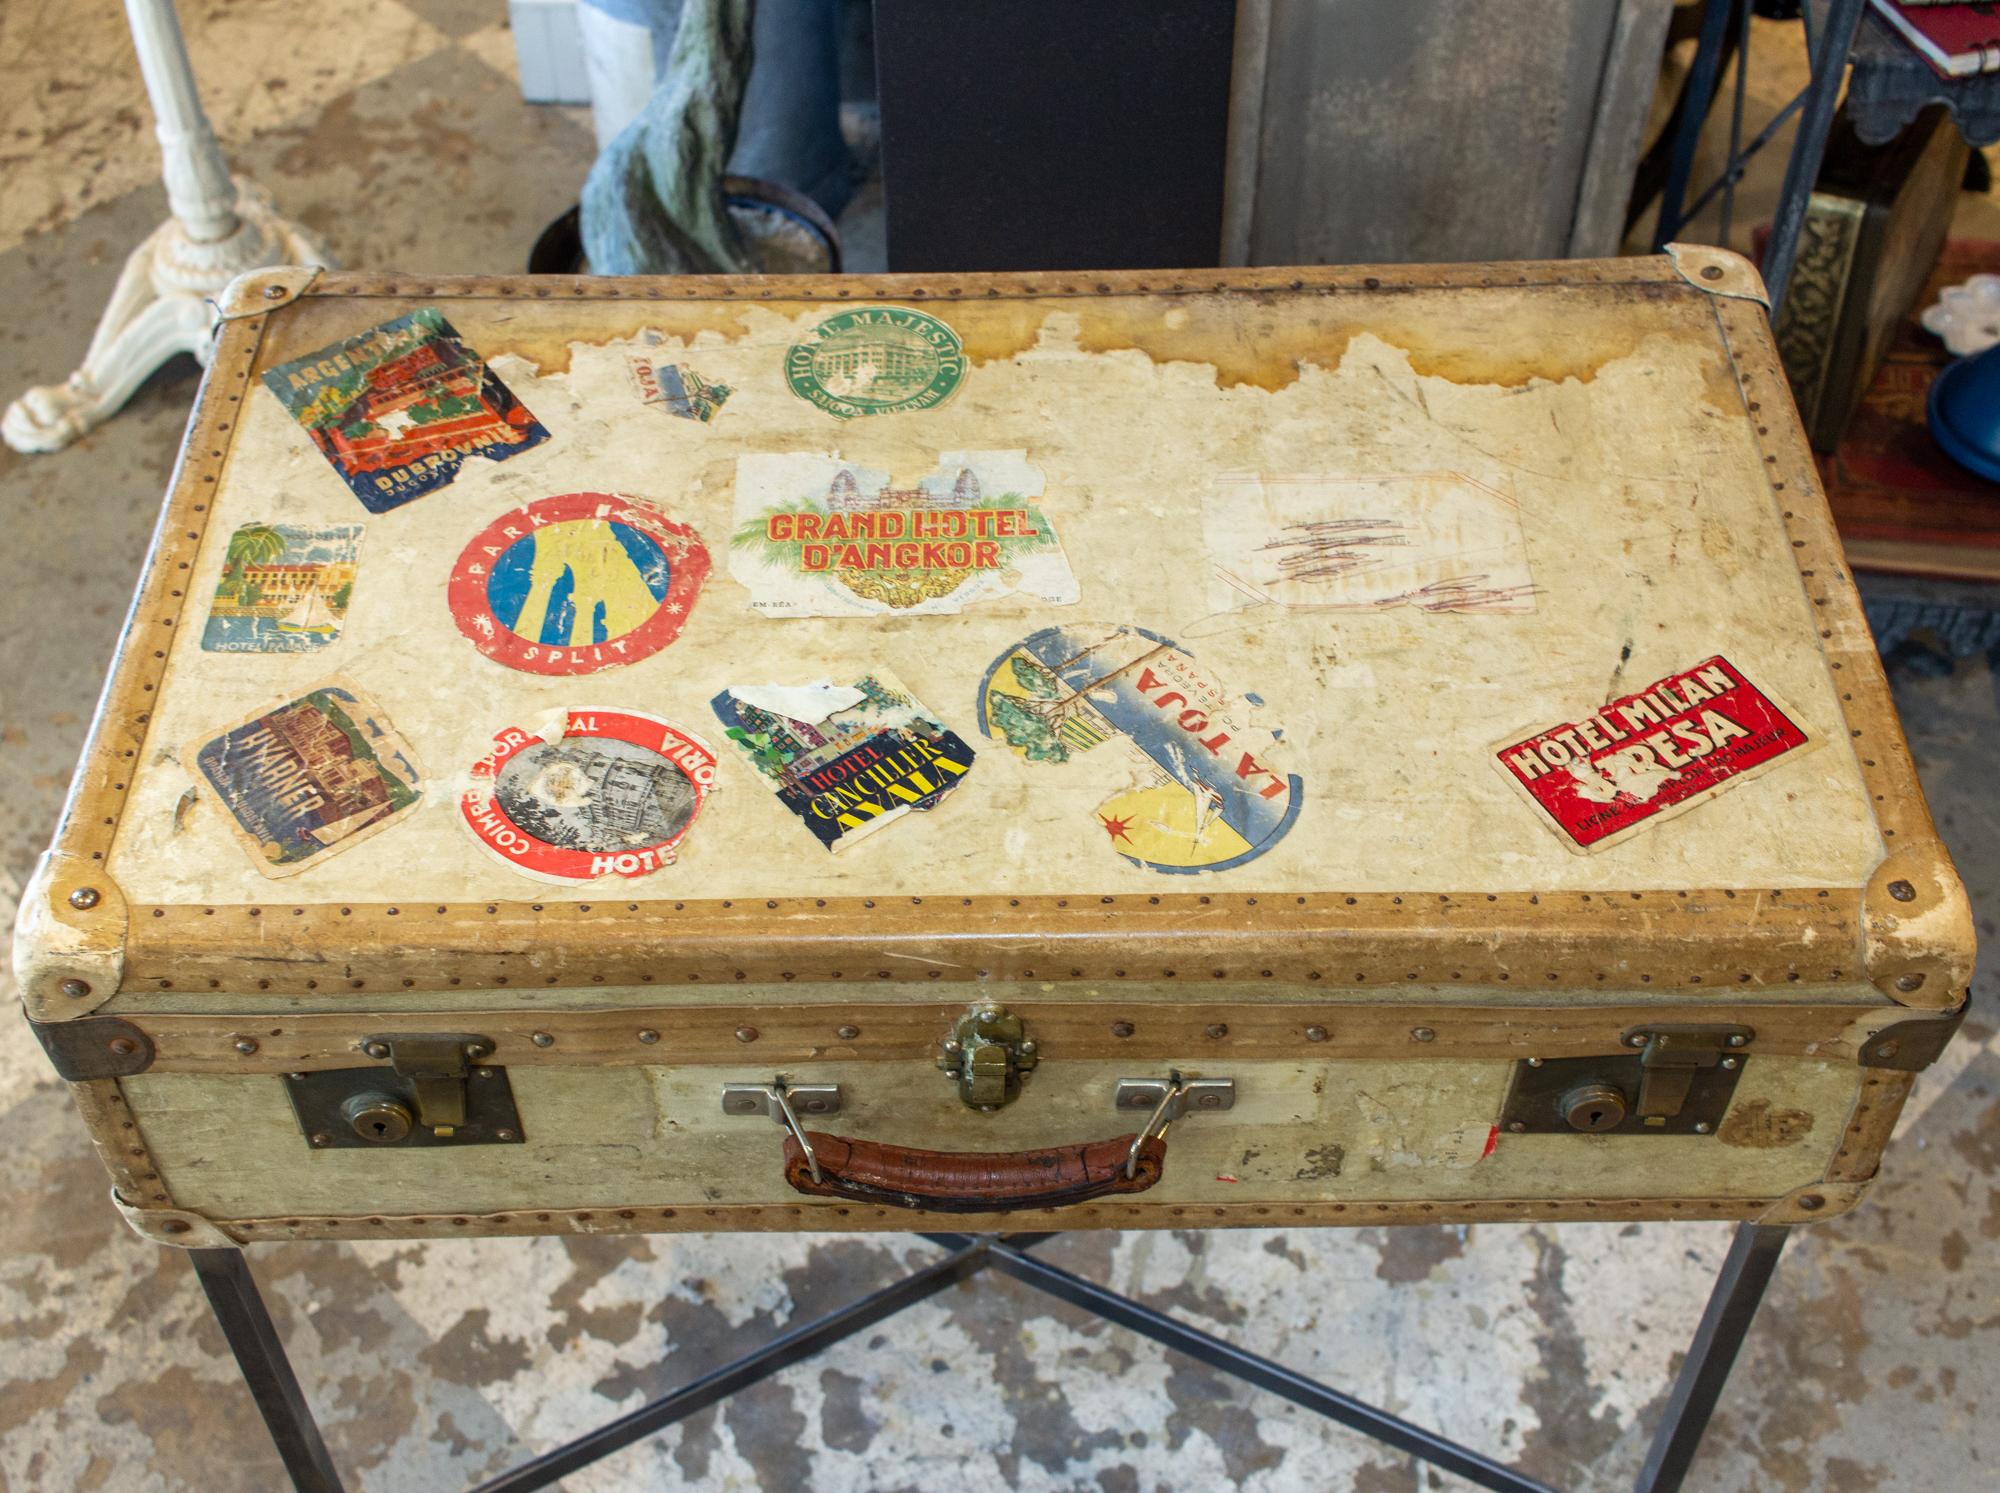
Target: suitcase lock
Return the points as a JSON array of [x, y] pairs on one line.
[[1668, 1080], [425, 1090], [987, 1055]]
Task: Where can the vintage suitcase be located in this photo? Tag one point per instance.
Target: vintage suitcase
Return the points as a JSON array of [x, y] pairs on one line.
[[1307, 747]]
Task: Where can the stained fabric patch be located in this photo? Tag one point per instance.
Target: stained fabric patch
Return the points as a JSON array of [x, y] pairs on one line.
[[876, 360], [1207, 789], [283, 589], [678, 389], [847, 760], [612, 792], [1650, 754], [577, 583], [398, 409], [311, 777], [817, 537]]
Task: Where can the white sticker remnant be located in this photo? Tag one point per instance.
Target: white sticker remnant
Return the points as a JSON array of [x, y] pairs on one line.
[[1438, 541]]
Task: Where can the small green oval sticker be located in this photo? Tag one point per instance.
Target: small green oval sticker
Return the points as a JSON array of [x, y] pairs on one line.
[[876, 360]]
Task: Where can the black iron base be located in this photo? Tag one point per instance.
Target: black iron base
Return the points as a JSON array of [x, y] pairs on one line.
[[232, 1292]]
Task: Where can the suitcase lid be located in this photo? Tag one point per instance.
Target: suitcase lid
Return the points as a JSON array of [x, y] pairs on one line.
[[1476, 627]]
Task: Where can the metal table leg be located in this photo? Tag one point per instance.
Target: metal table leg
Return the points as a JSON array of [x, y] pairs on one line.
[[1753, 1255], [232, 1293]]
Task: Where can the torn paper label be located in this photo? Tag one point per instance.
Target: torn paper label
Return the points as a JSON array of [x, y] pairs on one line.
[[1651, 754], [849, 770], [614, 793], [1437, 541], [818, 537], [1204, 788]]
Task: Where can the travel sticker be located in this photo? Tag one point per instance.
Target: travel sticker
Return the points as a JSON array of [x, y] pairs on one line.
[[678, 389], [284, 589], [310, 777], [847, 759], [399, 408], [1206, 789], [598, 793], [1651, 753], [818, 537], [577, 583], [876, 360], [1437, 541]]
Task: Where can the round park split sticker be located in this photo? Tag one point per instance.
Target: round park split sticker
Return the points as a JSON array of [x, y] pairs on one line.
[[577, 583], [613, 794]]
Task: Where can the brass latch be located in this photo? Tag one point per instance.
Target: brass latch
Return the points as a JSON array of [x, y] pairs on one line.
[[1673, 1055], [987, 1055], [435, 1065]]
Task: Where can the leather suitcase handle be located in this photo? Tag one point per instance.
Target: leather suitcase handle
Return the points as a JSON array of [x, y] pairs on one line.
[[971, 1181]]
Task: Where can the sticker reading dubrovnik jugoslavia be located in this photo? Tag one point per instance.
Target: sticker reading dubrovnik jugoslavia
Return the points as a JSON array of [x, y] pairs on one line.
[[876, 360], [283, 589], [310, 777], [398, 408], [577, 583], [598, 793], [1207, 789], [818, 537], [846, 759], [678, 389], [1652, 753]]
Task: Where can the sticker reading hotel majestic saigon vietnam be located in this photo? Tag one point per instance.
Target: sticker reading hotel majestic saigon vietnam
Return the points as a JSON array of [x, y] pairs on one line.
[[1650, 753], [601, 792], [397, 409], [310, 777], [846, 759], [876, 360], [283, 589], [1206, 789], [577, 583], [816, 537]]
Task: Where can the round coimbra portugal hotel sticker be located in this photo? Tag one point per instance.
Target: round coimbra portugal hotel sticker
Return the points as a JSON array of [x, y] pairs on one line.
[[614, 793], [577, 583]]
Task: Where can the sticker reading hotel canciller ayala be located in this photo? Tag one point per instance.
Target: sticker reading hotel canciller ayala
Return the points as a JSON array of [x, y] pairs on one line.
[[1650, 753]]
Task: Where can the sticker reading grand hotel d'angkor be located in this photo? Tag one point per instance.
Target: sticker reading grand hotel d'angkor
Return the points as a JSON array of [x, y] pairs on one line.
[[310, 777], [1205, 789], [1652, 753], [599, 793], [577, 583], [876, 360], [846, 759], [817, 537], [397, 409]]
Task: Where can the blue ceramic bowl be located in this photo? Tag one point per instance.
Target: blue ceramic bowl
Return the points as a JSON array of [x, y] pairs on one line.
[[1965, 413]]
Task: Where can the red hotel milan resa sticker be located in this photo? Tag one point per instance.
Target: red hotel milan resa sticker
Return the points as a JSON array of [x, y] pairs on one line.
[[613, 795], [577, 583], [1648, 753]]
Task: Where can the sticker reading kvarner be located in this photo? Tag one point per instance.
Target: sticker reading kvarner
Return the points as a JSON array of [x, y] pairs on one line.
[[876, 360], [577, 583], [1207, 790]]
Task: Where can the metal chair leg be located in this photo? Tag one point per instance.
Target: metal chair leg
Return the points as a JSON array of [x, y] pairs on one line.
[[232, 1294], [1753, 1255], [1829, 67]]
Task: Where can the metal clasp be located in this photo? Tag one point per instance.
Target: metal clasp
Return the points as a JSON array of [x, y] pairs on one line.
[[987, 1055], [776, 1098], [1171, 1097]]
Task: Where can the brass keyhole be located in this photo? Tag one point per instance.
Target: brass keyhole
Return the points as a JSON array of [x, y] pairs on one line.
[[1594, 1106], [377, 1118]]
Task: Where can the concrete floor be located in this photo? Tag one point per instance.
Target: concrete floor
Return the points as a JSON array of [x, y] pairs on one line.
[[398, 135]]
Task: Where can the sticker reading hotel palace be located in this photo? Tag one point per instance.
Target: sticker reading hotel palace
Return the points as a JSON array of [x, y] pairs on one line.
[[1651, 753]]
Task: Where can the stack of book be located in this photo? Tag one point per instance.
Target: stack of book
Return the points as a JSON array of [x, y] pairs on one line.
[[1957, 40]]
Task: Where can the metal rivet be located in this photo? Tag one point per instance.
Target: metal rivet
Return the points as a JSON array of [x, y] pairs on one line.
[[1812, 1202], [122, 1047], [1517, 1126], [1534, 1062], [1315, 1034], [1702, 1127], [175, 1226], [274, 292], [1711, 272], [1737, 1039], [1902, 891], [1121, 1028], [83, 898], [482, 1072], [296, 1077], [503, 1135], [1209, 1101], [542, 1039], [1423, 1034], [1731, 1062], [246, 1045], [848, 1033], [1912, 981], [76, 990], [649, 1036], [376, 1049], [1888, 1049], [1638, 1039], [1219, 1029], [991, 1013], [746, 1034], [321, 1138]]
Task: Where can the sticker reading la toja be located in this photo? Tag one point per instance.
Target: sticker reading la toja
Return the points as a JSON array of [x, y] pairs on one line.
[[1650, 753], [876, 360]]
